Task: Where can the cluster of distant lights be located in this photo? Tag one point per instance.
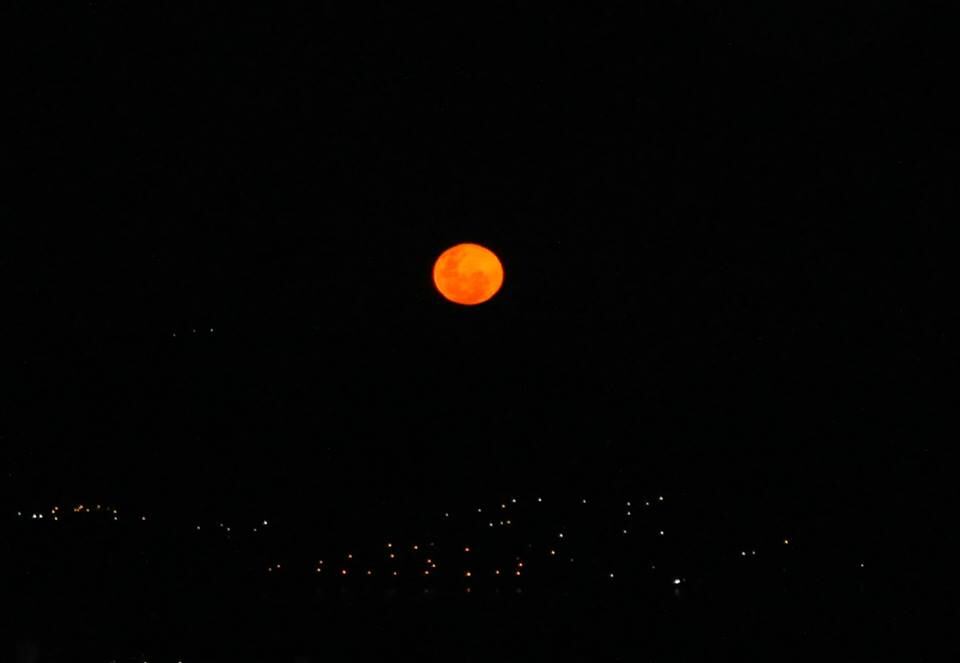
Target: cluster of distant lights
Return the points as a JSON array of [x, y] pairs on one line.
[[426, 557], [55, 513], [429, 563], [515, 568], [428, 566]]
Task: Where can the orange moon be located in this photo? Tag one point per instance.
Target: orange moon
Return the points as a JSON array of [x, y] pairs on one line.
[[468, 274]]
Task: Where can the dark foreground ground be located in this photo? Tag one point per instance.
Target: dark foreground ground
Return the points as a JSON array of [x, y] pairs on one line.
[[723, 618], [845, 574]]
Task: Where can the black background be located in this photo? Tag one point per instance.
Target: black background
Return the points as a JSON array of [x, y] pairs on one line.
[[719, 228]]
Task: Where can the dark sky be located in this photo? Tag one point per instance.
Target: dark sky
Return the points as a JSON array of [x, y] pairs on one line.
[[719, 232]]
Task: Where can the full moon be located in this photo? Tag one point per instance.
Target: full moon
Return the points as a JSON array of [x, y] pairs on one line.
[[468, 274]]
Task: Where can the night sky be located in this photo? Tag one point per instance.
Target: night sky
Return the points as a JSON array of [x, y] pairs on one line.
[[724, 303]]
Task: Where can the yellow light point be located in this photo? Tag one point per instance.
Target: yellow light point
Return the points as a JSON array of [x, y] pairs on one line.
[[392, 556], [389, 545], [786, 541], [468, 574], [416, 547], [349, 555]]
